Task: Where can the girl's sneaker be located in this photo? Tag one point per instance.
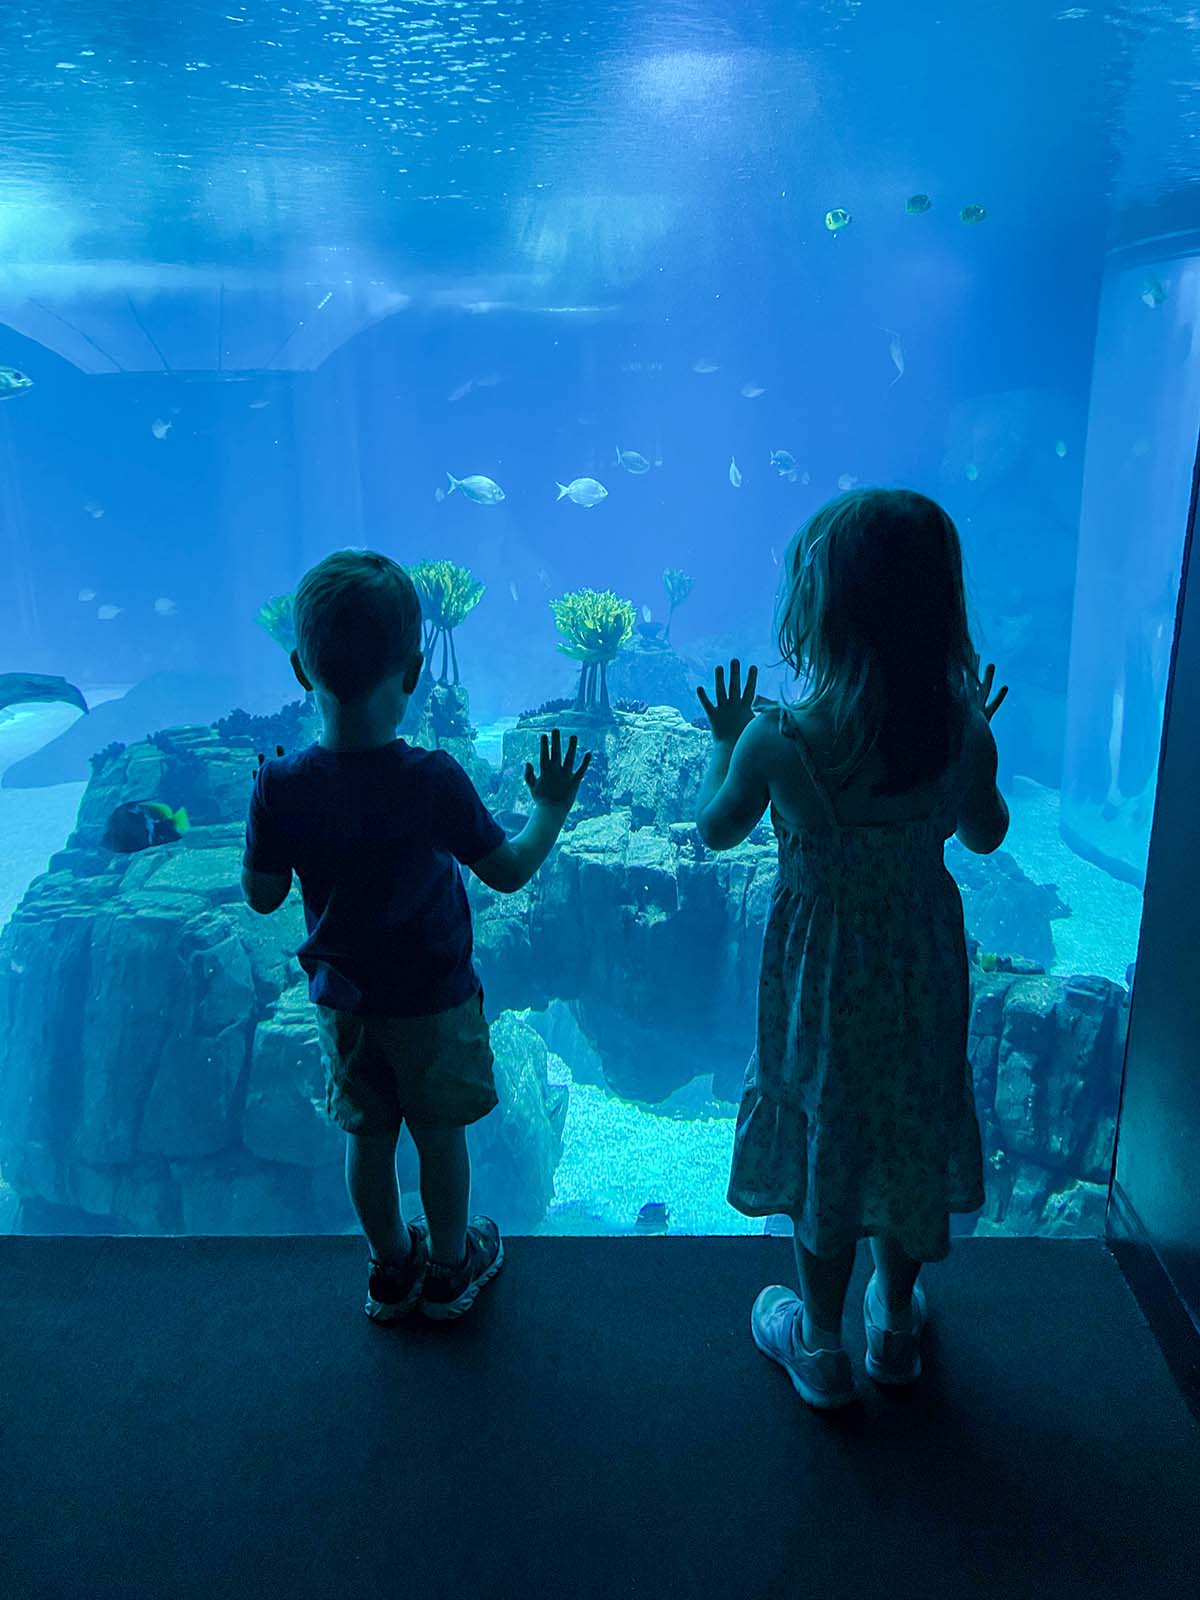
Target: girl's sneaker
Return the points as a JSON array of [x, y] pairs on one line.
[[893, 1357], [449, 1291]]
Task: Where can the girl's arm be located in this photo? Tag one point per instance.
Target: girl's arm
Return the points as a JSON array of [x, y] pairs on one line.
[[734, 792]]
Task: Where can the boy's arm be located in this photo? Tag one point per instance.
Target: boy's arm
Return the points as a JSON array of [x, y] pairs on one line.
[[266, 879], [511, 865], [266, 891]]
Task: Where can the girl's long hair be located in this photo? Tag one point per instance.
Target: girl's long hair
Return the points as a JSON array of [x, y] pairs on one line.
[[872, 613]]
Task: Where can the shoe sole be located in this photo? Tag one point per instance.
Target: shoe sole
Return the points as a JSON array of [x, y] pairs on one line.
[[438, 1311], [905, 1366]]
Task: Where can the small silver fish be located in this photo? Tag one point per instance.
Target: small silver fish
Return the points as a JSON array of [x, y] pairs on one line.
[[1060, 449], [93, 509], [705, 366], [896, 351], [583, 491], [160, 429], [751, 391], [784, 463], [13, 382], [972, 472], [165, 607], [259, 405], [806, 477], [735, 476], [646, 614], [846, 482], [462, 391], [484, 491], [632, 461], [107, 613], [1153, 294], [87, 594], [512, 589]]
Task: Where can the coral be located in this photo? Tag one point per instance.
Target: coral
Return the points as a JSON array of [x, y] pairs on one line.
[[292, 726], [448, 716], [102, 758], [594, 624], [277, 616], [448, 595], [678, 585], [548, 708], [633, 707]]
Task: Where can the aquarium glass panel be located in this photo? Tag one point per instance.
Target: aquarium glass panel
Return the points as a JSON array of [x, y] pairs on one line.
[[578, 313]]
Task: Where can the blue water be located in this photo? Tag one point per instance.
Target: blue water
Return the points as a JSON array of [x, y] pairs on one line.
[[276, 270]]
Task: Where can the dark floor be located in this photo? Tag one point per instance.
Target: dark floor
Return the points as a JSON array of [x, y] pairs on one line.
[[217, 1417]]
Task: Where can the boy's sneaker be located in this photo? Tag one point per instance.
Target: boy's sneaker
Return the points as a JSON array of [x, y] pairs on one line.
[[893, 1357], [449, 1291]]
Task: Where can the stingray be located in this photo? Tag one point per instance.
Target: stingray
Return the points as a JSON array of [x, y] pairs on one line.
[[18, 687]]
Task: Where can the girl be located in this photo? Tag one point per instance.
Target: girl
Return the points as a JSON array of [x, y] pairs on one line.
[[858, 1113]]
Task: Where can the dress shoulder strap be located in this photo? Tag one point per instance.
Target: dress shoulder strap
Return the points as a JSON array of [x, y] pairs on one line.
[[790, 730]]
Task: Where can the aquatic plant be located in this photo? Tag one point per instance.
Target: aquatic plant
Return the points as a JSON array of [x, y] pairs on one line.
[[102, 758], [277, 616], [548, 708], [448, 594], [632, 707], [594, 624], [678, 585]]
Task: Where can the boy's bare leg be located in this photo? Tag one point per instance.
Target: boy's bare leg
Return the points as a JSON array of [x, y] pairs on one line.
[[445, 1190], [897, 1272], [371, 1180]]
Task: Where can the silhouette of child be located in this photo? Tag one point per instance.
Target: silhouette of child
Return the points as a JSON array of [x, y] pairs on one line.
[[375, 828], [857, 1115]]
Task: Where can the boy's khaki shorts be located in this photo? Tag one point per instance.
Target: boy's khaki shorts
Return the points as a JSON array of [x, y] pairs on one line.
[[431, 1072]]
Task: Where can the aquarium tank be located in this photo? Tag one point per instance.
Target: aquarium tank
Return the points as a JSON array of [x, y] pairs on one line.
[[577, 311]]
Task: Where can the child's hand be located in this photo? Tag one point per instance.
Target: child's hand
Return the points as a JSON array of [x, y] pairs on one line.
[[985, 688], [556, 784], [262, 758], [732, 713]]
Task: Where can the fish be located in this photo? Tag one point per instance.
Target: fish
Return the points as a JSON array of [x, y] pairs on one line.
[[784, 463], [18, 688], [735, 476], [632, 461], [918, 204], [165, 607], [972, 214], [543, 577], [751, 391], [93, 509], [896, 351], [647, 614], [837, 219], [774, 557], [704, 365], [13, 383], [142, 824], [1152, 293], [806, 477], [1060, 449], [107, 613], [87, 594], [259, 405], [846, 482], [461, 392], [484, 491], [972, 472], [653, 1216], [489, 380], [512, 589], [160, 429], [584, 491]]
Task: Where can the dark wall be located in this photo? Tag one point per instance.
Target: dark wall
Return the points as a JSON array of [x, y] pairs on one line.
[[1158, 1139]]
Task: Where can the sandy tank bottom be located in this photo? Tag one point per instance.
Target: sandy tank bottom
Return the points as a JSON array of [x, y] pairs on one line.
[[618, 1155]]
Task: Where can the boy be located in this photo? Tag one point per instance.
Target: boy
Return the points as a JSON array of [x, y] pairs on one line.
[[374, 828]]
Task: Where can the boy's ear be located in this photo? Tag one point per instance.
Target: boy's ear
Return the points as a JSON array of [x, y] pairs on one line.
[[412, 674], [301, 679]]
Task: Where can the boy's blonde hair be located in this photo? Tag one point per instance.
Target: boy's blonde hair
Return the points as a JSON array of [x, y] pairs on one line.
[[358, 621], [872, 612]]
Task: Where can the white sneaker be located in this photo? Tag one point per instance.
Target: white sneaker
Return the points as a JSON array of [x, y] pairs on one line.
[[893, 1357]]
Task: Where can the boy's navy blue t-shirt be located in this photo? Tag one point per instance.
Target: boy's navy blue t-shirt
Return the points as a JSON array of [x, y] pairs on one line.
[[375, 837]]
